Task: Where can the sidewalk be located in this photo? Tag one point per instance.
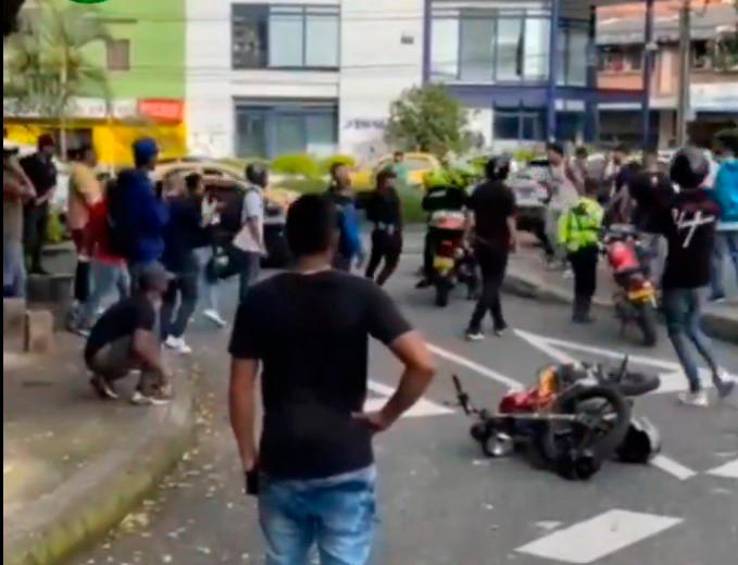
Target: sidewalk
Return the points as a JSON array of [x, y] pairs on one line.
[[73, 465], [528, 277]]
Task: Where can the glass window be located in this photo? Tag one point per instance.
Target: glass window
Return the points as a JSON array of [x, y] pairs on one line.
[[507, 124], [534, 125], [289, 132], [321, 134], [321, 45], [537, 40], [477, 49], [561, 59], [249, 36], [284, 36], [285, 39], [445, 49], [576, 68], [251, 139], [118, 54], [509, 49]]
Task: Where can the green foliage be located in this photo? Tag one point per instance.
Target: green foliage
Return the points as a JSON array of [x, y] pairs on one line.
[[45, 63], [525, 155], [240, 163], [456, 176], [304, 186], [412, 205], [328, 162], [300, 164], [428, 119]]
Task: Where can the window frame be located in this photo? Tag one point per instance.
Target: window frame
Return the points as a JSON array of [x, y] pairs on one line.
[[109, 45], [304, 11], [520, 114]]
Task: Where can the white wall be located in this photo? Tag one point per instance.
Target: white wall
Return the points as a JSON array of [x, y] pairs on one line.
[[212, 85], [376, 66]]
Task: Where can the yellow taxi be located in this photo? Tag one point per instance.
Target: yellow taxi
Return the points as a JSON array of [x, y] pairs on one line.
[[417, 165]]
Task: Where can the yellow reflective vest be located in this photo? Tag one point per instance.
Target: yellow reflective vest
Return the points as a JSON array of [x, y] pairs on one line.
[[580, 226]]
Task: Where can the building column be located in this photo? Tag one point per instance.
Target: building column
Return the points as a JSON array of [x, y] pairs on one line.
[[649, 54], [591, 105], [553, 68], [427, 31]]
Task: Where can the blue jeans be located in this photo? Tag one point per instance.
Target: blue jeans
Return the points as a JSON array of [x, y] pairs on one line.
[[683, 310], [724, 241], [337, 514], [14, 270], [105, 278]]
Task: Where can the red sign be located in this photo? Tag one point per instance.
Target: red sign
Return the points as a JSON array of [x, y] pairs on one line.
[[161, 109]]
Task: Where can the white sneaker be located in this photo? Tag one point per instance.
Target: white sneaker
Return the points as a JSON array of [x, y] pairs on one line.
[[474, 335], [178, 344], [698, 399], [183, 348], [215, 317], [140, 399]]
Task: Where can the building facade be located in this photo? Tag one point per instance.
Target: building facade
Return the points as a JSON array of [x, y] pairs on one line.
[[144, 62], [713, 78], [318, 76]]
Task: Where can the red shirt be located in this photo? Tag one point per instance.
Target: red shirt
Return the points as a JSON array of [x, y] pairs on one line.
[[98, 238]]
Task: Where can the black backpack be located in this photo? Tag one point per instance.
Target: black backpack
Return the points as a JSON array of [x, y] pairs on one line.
[[120, 242]]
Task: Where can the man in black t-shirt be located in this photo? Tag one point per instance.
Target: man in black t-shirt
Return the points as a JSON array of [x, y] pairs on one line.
[[40, 168], [125, 338], [308, 330], [493, 207]]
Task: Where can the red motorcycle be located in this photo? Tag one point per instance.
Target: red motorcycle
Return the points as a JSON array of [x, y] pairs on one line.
[[635, 297], [453, 261]]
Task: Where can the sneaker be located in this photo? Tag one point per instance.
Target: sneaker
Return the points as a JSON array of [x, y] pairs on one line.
[[501, 330], [215, 317], [717, 299], [698, 398], [183, 348], [141, 399], [177, 344], [81, 332], [103, 388], [474, 335], [172, 342], [725, 387], [568, 274]]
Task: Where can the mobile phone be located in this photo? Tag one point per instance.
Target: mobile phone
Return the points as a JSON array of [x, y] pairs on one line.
[[252, 482]]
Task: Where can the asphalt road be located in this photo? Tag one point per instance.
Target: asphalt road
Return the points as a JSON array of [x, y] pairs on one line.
[[441, 501]]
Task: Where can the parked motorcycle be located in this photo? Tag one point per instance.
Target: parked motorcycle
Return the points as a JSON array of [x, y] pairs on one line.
[[453, 261], [635, 297], [575, 418]]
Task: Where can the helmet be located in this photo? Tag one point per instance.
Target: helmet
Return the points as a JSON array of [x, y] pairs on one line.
[[689, 168], [498, 168], [256, 174]]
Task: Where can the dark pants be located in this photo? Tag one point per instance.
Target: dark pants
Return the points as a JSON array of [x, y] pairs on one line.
[[493, 263], [34, 226], [384, 246], [540, 232], [432, 239], [179, 302], [584, 264], [82, 271], [342, 262]]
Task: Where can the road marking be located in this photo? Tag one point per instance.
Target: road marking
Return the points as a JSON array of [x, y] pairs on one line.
[[476, 367], [728, 471], [672, 467], [593, 539], [420, 409]]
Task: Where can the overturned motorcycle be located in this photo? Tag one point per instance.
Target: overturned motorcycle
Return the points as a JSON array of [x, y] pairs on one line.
[[573, 420]]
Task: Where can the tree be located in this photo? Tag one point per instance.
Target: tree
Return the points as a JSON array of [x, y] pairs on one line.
[[428, 119], [46, 66]]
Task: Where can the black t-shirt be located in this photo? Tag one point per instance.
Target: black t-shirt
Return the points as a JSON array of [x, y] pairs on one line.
[[183, 234], [41, 172], [384, 208], [311, 334], [492, 203], [120, 320]]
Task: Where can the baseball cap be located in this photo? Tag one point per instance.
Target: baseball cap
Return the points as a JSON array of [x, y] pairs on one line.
[[153, 277], [144, 149], [45, 140]]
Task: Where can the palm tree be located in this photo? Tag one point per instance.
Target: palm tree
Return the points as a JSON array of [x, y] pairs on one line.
[[45, 62]]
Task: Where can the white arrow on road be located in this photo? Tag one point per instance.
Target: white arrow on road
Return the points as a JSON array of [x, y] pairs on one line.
[[421, 408]]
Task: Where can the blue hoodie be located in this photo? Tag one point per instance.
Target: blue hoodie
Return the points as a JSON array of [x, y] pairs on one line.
[[726, 191], [142, 215]]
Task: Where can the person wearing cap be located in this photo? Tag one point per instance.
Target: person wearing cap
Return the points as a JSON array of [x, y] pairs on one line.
[[41, 170], [563, 195], [17, 189], [384, 210], [688, 220], [139, 216], [125, 338]]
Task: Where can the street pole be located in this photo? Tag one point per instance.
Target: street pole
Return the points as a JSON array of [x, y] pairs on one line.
[[684, 72], [553, 70], [63, 112], [649, 53]]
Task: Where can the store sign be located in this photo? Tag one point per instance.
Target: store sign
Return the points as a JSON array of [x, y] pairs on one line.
[[161, 109], [359, 124], [719, 97]]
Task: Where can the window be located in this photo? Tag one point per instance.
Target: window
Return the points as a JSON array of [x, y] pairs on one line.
[[473, 45], [572, 50], [284, 36], [270, 129], [477, 57], [519, 124], [510, 50], [118, 54]]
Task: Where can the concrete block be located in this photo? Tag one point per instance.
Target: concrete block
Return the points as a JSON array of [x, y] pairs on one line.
[[39, 332], [14, 315]]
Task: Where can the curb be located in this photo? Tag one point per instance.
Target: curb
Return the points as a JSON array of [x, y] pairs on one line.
[[524, 286], [97, 498]]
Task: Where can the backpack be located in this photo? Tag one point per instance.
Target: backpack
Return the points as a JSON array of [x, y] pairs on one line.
[[120, 240]]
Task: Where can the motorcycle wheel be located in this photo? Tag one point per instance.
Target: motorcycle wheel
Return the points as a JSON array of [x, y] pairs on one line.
[[443, 290], [637, 384], [646, 320], [607, 414]]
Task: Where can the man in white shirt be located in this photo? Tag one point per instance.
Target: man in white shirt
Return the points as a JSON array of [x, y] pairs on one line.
[[563, 195], [249, 242]]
